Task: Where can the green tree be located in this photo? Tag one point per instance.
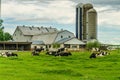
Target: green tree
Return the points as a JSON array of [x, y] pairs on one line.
[[93, 44], [1, 30], [1, 21], [4, 36], [56, 45], [1, 35], [7, 36]]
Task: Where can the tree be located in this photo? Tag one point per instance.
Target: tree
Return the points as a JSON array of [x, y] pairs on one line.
[[1, 35], [1, 30], [1, 21], [56, 45], [93, 44], [7, 36], [4, 36]]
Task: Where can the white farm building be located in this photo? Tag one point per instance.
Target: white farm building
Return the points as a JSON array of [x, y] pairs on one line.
[[46, 36]]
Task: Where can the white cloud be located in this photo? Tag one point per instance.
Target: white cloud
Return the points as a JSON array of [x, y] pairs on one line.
[[108, 16], [58, 11]]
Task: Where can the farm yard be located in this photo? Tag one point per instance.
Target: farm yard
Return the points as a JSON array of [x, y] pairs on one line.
[[45, 67]]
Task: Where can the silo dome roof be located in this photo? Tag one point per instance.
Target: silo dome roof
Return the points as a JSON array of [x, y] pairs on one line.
[[88, 5], [92, 10], [79, 5]]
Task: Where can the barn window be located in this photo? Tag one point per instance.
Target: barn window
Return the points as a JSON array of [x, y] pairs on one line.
[[74, 46], [67, 45], [69, 36], [61, 36], [30, 28], [38, 28], [20, 33], [49, 46]]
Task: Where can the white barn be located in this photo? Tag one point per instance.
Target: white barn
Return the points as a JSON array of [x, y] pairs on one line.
[[45, 37], [25, 33]]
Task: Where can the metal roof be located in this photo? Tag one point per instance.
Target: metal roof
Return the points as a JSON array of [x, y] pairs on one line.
[[47, 38], [37, 42], [63, 40], [27, 30], [70, 41]]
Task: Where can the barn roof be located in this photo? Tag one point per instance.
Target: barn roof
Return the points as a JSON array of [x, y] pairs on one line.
[[47, 38], [37, 42], [27, 30], [63, 40], [70, 41]]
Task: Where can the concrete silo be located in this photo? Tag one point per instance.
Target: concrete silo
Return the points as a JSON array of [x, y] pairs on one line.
[[86, 7], [91, 24], [86, 22]]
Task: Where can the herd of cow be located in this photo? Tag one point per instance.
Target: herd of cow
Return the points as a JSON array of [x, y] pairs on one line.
[[58, 52]]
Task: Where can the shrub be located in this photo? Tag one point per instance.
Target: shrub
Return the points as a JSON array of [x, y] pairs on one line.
[[93, 44]]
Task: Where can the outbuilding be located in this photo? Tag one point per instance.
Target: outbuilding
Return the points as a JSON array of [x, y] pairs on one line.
[[11, 45]]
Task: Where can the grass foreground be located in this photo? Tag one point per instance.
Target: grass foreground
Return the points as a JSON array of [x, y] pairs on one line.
[[75, 67]]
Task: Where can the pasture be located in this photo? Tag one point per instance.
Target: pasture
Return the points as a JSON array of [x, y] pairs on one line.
[[75, 67]]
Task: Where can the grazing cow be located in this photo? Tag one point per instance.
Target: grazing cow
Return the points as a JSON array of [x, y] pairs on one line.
[[35, 53]]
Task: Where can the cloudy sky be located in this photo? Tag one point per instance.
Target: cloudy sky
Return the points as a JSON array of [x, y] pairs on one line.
[[61, 15]]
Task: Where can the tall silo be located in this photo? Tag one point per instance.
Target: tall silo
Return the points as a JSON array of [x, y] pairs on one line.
[[86, 7], [91, 24], [79, 24]]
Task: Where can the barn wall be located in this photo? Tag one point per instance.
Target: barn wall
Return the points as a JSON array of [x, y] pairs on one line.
[[64, 34], [18, 36]]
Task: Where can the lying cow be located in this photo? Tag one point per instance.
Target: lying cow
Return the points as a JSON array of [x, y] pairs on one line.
[[93, 55], [100, 53], [8, 54], [39, 49], [63, 54], [51, 53]]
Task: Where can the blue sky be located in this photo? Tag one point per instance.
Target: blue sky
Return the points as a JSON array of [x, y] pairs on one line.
[[61, 15]]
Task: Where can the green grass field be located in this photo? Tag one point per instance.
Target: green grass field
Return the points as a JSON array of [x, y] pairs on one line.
[[75, 67]]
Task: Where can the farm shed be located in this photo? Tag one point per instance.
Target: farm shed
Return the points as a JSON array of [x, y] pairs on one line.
[[15, 45], [71, 43]]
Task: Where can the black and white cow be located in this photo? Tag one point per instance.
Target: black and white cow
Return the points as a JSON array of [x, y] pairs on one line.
[[98, 53], [63, 53], [8, 54]]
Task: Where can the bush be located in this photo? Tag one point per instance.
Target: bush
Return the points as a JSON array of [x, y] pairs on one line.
[[56, 45], [94, 44]]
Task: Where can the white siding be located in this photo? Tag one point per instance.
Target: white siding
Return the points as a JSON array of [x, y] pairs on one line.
[[74, 41], [46, 38], [64, 34], [18, 36]]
